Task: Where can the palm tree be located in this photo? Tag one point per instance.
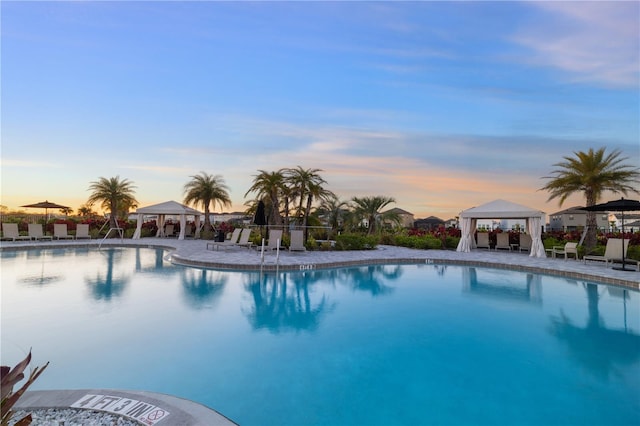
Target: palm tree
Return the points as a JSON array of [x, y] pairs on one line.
[[334, 211], [591, 173], [301, 182], [269, 185], [85, 211], [206, 189], [113, 194], [318, 192], [368, 208]]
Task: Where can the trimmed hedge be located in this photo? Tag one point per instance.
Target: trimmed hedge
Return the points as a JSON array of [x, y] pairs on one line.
[[356, 242]]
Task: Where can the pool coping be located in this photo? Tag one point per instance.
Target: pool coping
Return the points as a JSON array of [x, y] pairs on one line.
[[147, 408]]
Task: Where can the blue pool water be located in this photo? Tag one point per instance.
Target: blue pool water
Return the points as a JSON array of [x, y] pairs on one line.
[[374, 345]]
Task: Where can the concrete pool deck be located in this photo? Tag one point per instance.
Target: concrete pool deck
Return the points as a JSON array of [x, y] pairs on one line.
[[194, 253]]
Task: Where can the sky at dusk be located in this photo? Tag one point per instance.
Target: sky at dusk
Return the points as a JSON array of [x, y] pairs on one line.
[[441, 105]]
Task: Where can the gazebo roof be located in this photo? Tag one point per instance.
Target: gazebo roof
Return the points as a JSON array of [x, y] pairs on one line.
[[168, 207], [501, 209]]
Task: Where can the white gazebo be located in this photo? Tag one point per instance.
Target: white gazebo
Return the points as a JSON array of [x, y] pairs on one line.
[[501, 209], [168, 208]]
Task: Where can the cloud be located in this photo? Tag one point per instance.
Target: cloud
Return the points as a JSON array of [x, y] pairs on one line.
[[593, 41]]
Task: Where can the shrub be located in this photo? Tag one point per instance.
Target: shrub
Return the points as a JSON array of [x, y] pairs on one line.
[[11, 377], [356, 242]]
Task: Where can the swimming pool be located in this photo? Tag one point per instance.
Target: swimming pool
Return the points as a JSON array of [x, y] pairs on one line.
[[374, 345]]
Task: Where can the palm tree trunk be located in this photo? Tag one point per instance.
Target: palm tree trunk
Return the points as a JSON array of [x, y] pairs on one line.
[[306, 216], [592, 225]]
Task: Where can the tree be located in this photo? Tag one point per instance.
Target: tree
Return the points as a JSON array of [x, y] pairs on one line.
[[86, 211], [306, 185], [113, 194], [269, 185], [334, 211], [205, 189], [368, 208], [591, 173], [66, 211]]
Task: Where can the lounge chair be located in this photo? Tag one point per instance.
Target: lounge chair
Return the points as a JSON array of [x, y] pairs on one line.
[[565, 251], [60, 232], [525, 242], [483, 240], [82, 231], [275, 238], [10, 232], [235, 236], [244, 238], [168, 230], [297, 241], [612, 252], [35, 232], [503, 241]]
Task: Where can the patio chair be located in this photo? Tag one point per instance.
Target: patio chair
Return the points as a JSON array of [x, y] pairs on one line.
[[35, 232], [244, 238], [612, 252], [525, 242], [82, 231], [275, 238], [168, 230], [297, 241], [503, 241], [235, 236], [483, 240], [10, 232], [60, 232], [566, 250]]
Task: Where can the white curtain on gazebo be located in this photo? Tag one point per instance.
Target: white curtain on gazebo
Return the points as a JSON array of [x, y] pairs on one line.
[[466, 239], [534, 227]]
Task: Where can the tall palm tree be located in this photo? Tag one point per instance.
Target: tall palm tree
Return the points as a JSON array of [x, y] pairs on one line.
[[206, 189], [269, 185], [314, 190], [592, 173], [334, 211], [301, 181], [368, 208], [113, 194]]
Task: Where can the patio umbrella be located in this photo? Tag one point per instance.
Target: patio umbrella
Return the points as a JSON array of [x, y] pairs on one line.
[[621, 206], [260, 218], [46, 205]]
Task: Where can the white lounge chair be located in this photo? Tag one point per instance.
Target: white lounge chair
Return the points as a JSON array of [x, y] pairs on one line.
[[235, 236], [297, 241], [35, 232], [612, 252], [244, 238], [483, 240], [503, 241], [60, 232], [82, 231], [565, 251], [525, 242], [168, 230], [275, 238], [10, 232]]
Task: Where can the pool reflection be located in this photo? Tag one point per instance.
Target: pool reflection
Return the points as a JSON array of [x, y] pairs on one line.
[[110, 283], [283, 302], [202, 287], [601, 350], [498, 285]]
